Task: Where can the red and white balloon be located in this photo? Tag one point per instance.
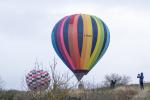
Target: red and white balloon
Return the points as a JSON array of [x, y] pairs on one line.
[[38, 80]]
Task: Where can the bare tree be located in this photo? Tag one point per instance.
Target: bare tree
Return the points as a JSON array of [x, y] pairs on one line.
[[120, 80], [23, 85], [60, 83], [125, 80]]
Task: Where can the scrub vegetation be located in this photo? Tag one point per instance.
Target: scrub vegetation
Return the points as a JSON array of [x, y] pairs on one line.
[[128, 92], [61, 88]]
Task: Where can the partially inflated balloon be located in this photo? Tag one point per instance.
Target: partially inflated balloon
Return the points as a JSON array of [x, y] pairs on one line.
[[80, 40], [38, 80]]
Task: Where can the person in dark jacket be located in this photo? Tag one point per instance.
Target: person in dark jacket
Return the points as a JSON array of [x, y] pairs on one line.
[[141, 80], [113, 83]]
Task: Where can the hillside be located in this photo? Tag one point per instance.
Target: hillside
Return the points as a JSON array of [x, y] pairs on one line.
[[129, 92]]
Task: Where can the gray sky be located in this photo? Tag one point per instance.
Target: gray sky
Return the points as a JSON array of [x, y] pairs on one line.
[[25, 34]]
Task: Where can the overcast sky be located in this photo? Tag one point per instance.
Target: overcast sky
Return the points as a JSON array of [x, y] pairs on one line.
[[25, 35]]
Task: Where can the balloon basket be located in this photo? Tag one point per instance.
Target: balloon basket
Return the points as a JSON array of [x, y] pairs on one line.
[[80, 85]]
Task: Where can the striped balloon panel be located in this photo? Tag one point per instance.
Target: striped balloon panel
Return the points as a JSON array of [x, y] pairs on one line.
[[80, 41], [38, 80]]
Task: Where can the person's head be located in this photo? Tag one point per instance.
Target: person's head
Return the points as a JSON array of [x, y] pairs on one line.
[[141, 73]]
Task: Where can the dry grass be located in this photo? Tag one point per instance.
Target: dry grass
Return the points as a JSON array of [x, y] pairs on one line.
[[119, 93], [144, 94], [131, 92]]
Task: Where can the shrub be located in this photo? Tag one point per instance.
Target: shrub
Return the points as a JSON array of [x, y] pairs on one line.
[[120, 80]]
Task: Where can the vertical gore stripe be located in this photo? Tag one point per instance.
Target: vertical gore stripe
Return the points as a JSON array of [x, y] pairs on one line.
[[80, 33], [95, 31], [99, 42], [55, 43], [75, 49], [87, 41], [62, 45], [57, 35], [105, 44], [65, 34], [56, 40], [105, 39], [70, 37]]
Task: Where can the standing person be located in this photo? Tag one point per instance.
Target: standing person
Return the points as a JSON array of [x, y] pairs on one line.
[[141, 79], [113, 83]]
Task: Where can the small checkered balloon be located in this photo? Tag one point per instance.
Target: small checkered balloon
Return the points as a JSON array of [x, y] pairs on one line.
[[38, 80]]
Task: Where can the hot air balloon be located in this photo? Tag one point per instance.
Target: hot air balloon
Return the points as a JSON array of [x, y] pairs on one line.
[[38, 80], [80, 41]]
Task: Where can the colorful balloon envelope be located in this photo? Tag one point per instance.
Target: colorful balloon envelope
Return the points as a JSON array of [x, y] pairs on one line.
[[38, 80], [80, 40]]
